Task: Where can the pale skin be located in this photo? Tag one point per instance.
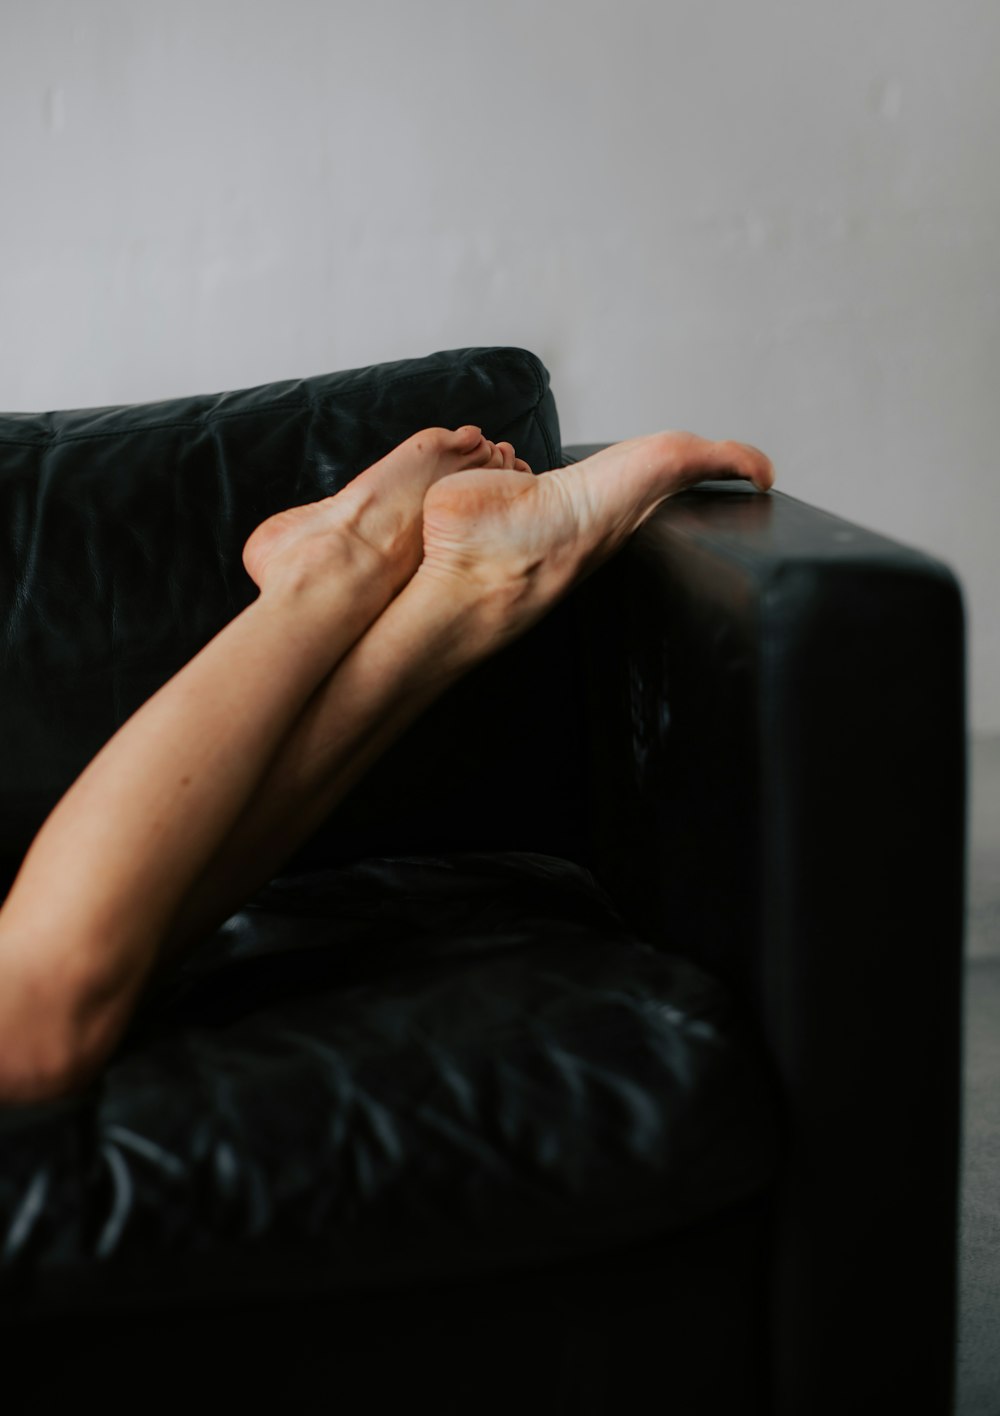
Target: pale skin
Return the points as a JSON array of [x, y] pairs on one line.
[[371, 604]]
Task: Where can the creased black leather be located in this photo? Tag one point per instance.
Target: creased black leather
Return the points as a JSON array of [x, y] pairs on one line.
[[399, 1068]]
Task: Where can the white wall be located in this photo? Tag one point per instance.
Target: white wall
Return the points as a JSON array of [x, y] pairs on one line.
[[775, 221]]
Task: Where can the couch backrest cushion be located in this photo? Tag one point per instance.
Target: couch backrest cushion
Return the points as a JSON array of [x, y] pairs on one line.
[[122, 532]]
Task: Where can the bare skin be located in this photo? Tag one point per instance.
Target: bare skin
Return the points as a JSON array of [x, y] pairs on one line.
[[205, 792], [538, 536], [96, 894]]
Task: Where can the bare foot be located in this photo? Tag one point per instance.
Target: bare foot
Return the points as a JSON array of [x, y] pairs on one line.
[[527, 539], [380, 509]]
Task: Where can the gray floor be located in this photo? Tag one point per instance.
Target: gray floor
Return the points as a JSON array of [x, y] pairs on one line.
[[978, 1385]]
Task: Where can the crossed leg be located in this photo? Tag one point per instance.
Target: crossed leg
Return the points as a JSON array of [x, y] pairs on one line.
[[204, 793]]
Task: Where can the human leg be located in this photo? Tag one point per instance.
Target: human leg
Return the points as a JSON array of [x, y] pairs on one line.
[[500, 548], [325, 754], [83, 921]]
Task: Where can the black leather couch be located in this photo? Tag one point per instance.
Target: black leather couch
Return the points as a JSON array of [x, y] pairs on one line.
[[599, 1054]]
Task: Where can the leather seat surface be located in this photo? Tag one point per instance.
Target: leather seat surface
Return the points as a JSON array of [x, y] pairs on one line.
[[392, 1070]]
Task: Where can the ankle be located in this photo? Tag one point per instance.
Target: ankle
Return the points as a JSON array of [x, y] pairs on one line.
[[343, 577], [477, 607], [381, 531]]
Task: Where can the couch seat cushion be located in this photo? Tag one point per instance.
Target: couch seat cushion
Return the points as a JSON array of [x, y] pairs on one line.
[[384, 1072]]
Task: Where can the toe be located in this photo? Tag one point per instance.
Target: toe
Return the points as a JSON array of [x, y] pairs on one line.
[[736, 459], [753, 464], [763, 476], [506, 450], [440, 441], [436, 441]]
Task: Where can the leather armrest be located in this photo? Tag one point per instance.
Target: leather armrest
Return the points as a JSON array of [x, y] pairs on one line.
[[777, 699]]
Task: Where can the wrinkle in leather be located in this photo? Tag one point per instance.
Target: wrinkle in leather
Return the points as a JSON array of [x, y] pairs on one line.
[[519, 1076]]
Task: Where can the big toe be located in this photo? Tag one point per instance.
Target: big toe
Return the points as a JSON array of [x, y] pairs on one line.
[[466, 437], [737, 459], [764, 478], [441, 441], [759, 466]]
